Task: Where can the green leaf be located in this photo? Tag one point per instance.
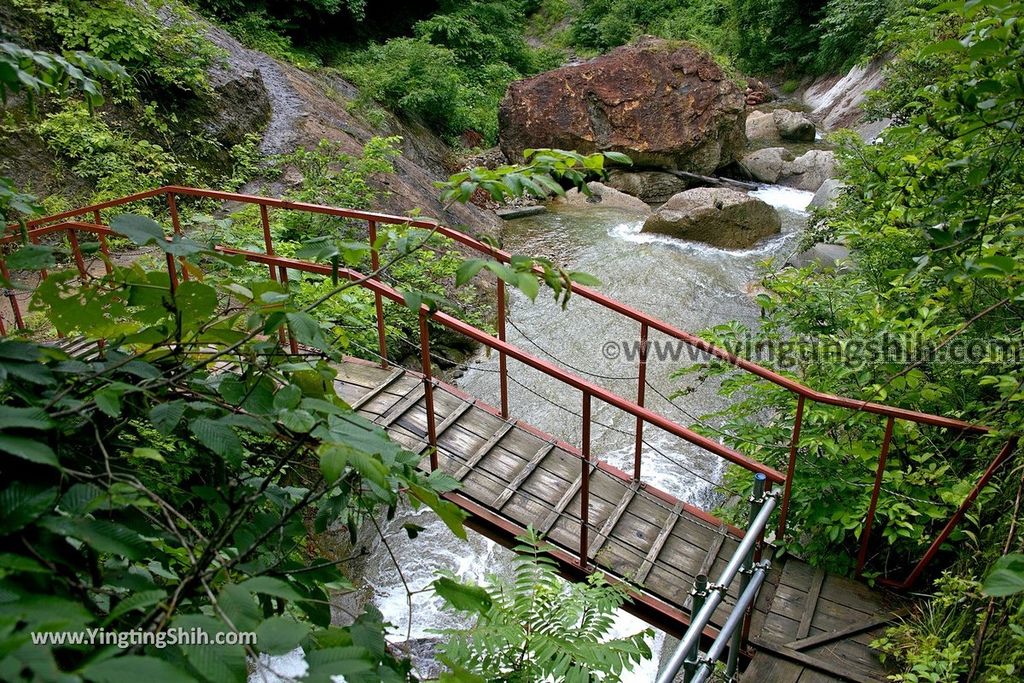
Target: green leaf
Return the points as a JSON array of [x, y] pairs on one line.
[[280, 635], [585, 279], [32, 257], [1006, 577], [29, 449], [467, 270], [333, 459], [100, 534], [166, 416], [619, 158], [269, 585], [942, 47], [450, 514], [139, 229], [298, 421], [306, 330], [21, 504], [215, 663], [463, 596], [217, 436], [135, 601], [528, 284], [135, 667], [24, 418]]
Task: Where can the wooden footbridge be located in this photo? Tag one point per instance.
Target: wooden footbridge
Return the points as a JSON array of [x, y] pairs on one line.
[[802, 626]]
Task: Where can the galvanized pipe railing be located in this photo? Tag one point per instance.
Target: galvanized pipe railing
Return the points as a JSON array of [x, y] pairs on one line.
[[762, 505]]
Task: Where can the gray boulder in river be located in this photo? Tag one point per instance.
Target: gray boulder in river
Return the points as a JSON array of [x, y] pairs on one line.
[[793, 125], [607, 197], [721, 217], [778, 165], [827, 194]]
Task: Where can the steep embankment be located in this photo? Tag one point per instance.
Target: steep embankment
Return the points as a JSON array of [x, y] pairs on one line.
[[251, 93], [305, 108]]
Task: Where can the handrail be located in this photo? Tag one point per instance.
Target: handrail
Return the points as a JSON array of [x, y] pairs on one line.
[[716, 591], [279, 268], [787, 383]]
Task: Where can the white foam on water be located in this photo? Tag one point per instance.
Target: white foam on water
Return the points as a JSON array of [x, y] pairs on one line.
[[785, 198], [631, 232], [280, 668]]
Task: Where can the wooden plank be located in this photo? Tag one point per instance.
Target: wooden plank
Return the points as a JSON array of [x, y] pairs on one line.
[[812, 603], [764, 668], [376, 391], [613, 519], [398, 410], [450, 419], [563, 503], [483, 450], [522, 475], [713, 550], [659, 543], [846, 671], [805, 643]]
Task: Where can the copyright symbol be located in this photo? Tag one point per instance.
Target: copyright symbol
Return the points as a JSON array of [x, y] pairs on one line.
[[610, 350]]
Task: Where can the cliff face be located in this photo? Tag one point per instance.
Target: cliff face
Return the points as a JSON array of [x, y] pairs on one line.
[[836, 100], [303, 108], [251, 93]]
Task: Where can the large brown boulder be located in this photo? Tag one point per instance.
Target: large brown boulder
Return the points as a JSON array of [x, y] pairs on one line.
[[665, 104], [722, 217]]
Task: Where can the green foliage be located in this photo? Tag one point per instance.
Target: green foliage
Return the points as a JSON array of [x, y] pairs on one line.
[[103, 527], [537, 627], [135, 37], [454, 72], [259, 30], [34, 73], [116, 162], [933, 220]]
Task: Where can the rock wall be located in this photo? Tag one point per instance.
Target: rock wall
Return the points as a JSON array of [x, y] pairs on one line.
[[836, 100], [299, 109]]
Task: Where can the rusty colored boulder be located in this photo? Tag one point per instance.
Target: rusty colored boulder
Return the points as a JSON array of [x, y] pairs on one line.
[[665, 104]]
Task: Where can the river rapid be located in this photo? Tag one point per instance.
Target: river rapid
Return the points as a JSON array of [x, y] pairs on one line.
[[690, 285]]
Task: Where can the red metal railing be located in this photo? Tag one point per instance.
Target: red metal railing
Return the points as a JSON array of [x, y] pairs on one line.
[[279, 266]]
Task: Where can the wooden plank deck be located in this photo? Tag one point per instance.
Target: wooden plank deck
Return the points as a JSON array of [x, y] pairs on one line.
[[805, 626]]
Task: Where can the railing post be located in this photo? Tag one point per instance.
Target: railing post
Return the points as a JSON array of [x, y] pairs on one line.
[[76, 251], [268, 246], [865, 534], [756, 503], [428, 386], [794, 442], [378, 300], [97, 219], [19, 323], [172, 206], [172, 273], [699, 593], [641, 390], [1004, 454], [283, 276], [502, 359], [585, 483]]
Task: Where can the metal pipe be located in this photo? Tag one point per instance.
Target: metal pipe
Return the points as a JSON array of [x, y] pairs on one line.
[[865, 534], [699, 593], [715, 594], [756, 503], [585, 483], [794, 441], [641, 390], [732, 625], [502, 358]]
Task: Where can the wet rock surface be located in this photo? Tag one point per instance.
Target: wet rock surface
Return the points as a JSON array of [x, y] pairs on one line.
[[721, 217], [605, 197]]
